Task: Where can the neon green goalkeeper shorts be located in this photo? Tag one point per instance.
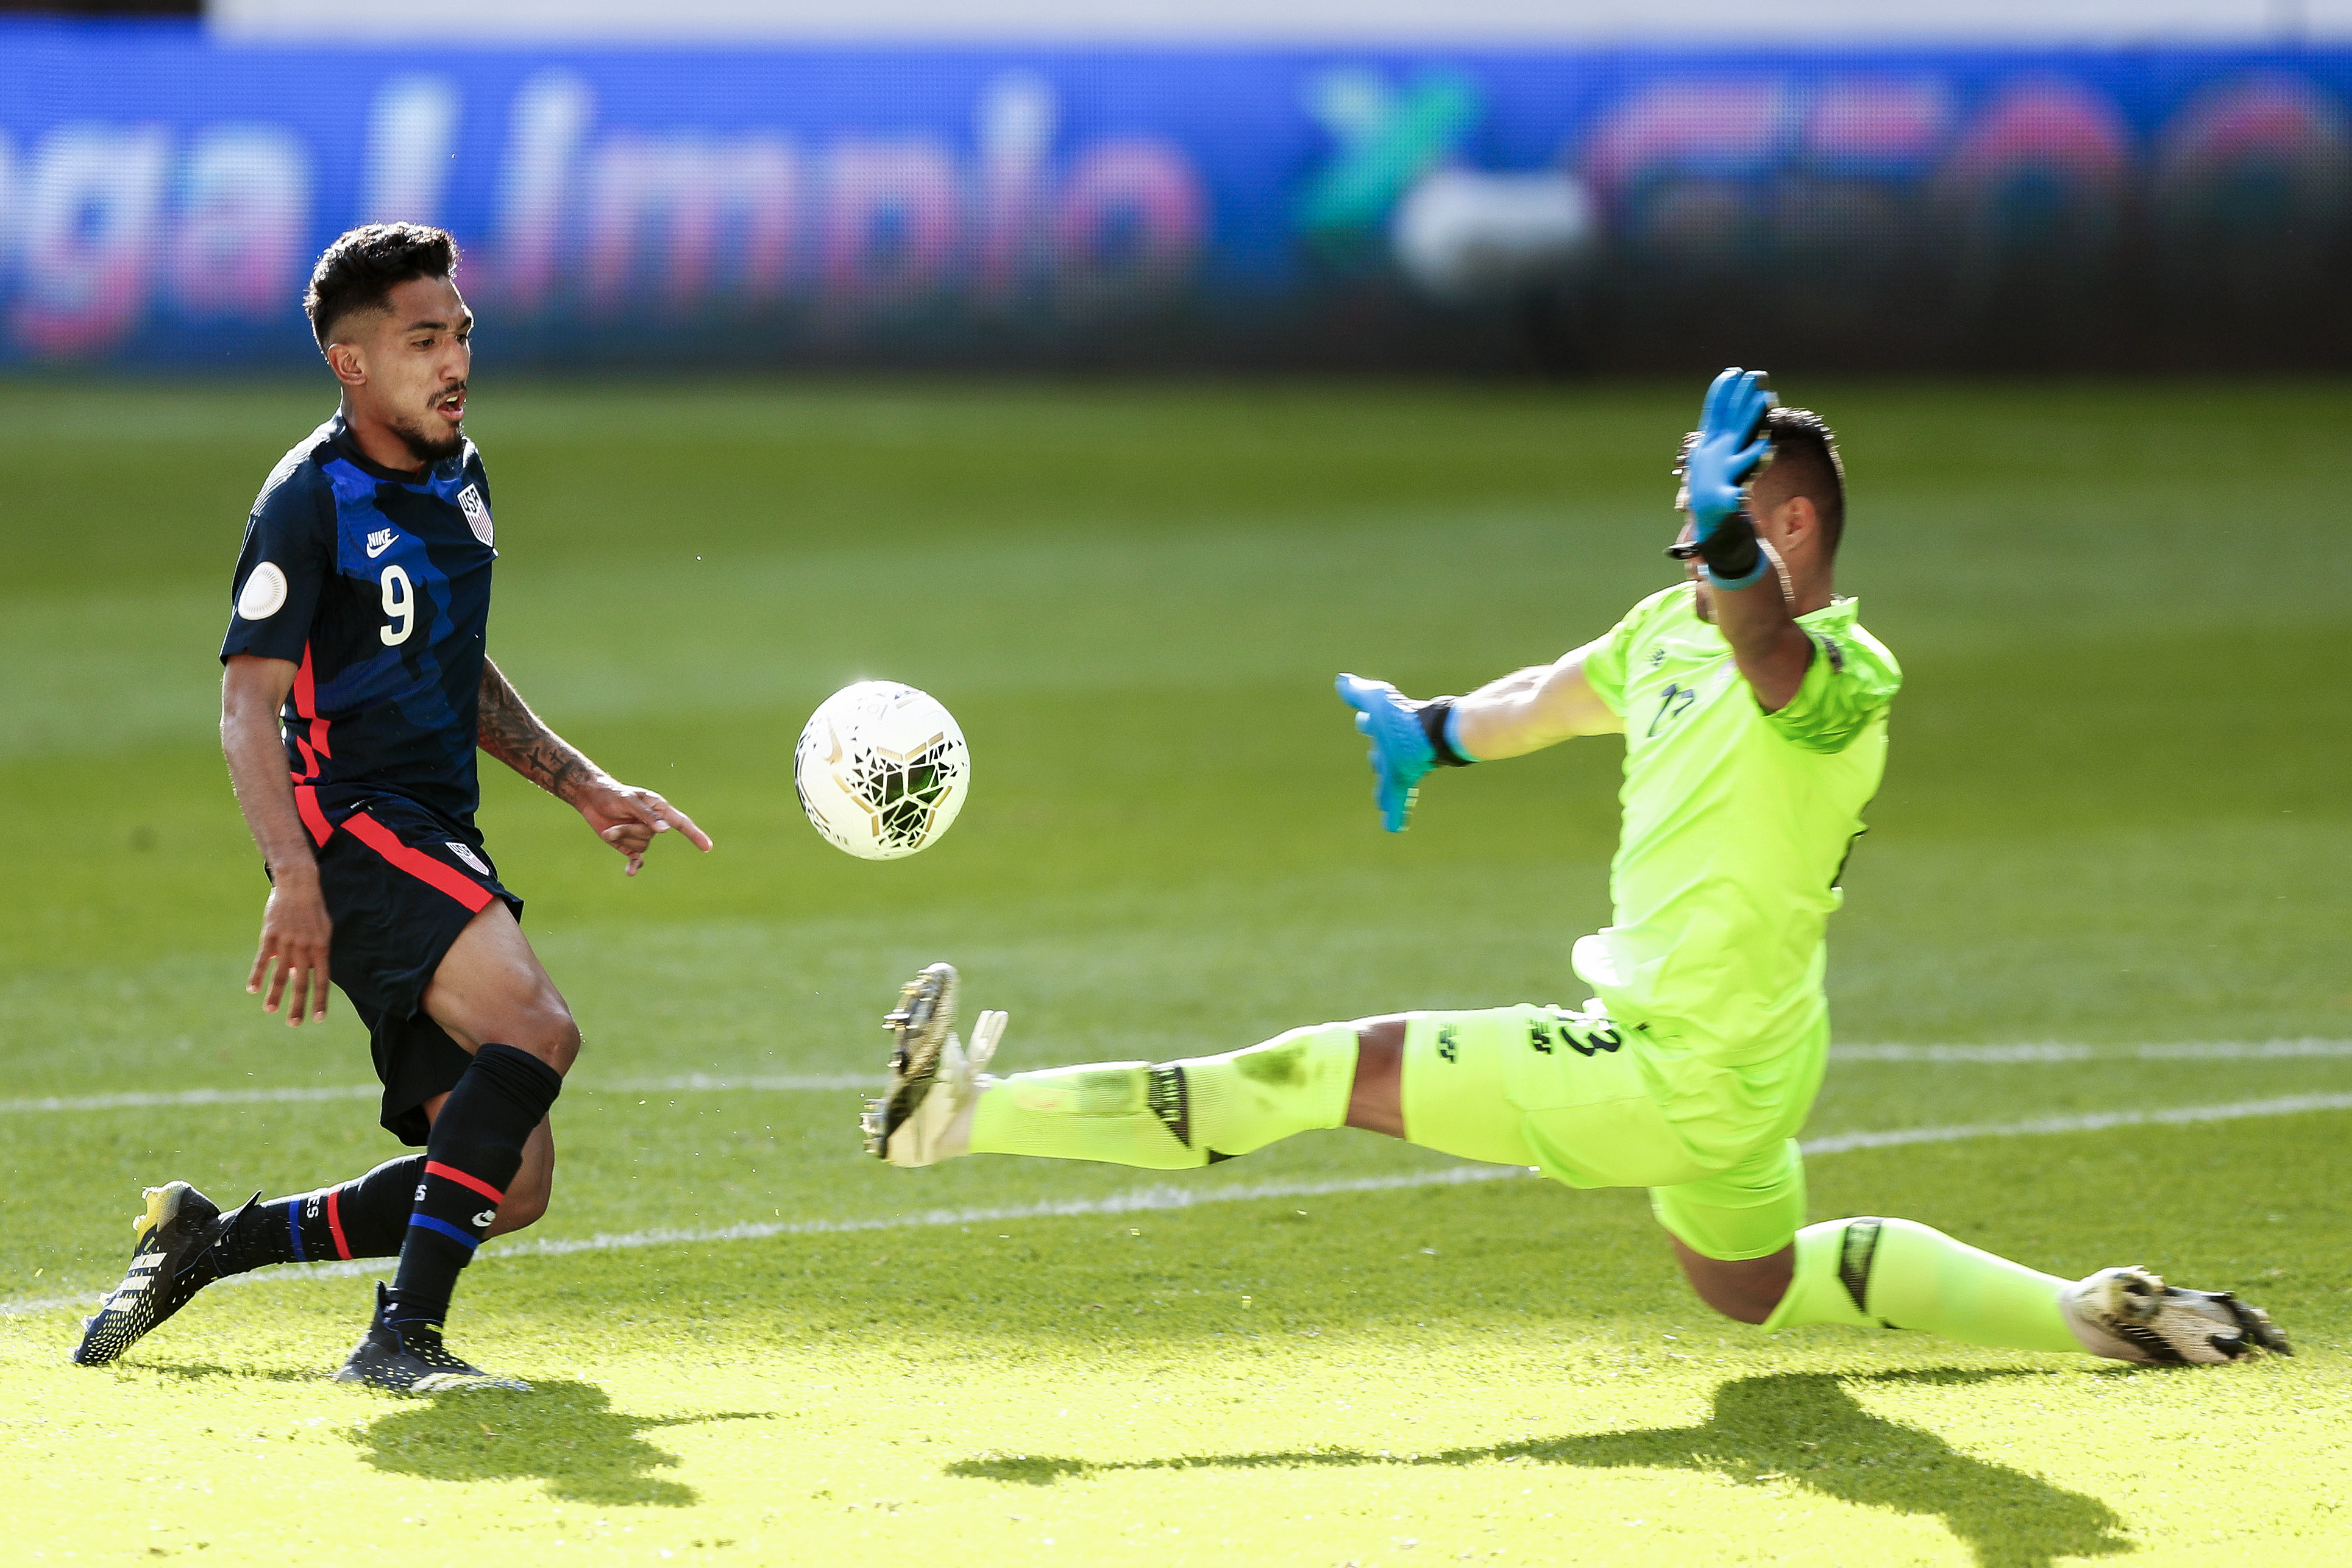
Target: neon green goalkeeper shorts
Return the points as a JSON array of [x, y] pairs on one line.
[[1544, 1087]]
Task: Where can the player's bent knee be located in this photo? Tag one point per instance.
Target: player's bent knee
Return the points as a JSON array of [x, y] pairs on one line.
[[1375, 1101], [1744, 1290], [1753, 1311], [548, 1031]]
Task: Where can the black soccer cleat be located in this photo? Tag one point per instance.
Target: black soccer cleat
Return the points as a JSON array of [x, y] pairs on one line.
[[168, 1265], [415, 1361]]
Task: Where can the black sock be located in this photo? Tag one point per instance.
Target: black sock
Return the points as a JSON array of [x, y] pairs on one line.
[[364, 1218], [474, 1151]]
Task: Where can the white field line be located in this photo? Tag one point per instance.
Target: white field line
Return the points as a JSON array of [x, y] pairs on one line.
[[1167, 1198], [2085, 1122], [845, 1082]]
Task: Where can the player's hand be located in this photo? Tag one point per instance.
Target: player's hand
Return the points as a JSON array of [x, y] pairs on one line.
[[1724, 452], [629, 819], [1400, 754], [296, 933]]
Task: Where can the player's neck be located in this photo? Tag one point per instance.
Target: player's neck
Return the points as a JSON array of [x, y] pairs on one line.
[[379, 442]]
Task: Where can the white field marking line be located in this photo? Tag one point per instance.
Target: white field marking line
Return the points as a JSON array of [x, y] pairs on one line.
[[2085, 1122], [1165, 1198], [844, 1082], [1162, 1198]]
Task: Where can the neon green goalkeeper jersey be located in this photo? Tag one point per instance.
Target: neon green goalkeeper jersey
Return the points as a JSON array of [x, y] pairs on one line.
[[1736, 826]]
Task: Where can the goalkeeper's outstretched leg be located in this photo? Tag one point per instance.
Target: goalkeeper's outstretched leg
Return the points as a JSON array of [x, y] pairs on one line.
[[1547, 1087]]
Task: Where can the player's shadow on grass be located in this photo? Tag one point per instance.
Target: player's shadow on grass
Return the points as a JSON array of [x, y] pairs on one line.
[[566, 1434], [1799, 1427], [197, 1371]]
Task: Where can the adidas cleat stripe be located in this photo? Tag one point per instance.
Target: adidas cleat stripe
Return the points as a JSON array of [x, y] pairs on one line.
[[168, 1266]]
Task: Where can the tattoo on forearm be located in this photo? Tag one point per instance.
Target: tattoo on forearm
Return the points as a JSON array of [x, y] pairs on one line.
[[511, 732]]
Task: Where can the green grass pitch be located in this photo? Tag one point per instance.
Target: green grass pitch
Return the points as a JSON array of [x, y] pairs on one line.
[[2104, 889]]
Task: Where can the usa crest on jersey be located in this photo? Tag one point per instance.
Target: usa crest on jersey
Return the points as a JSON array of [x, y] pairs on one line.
[[477, 513]]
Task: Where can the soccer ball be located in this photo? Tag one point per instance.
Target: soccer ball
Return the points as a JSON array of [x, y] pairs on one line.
[[881, 769]]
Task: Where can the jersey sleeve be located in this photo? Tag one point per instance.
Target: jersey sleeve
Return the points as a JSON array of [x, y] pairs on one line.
[[1605, 660], [287, 555], [1852, 681]]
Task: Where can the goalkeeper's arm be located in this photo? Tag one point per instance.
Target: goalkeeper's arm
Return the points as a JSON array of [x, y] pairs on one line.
[[1539, 707], [1520, 713]]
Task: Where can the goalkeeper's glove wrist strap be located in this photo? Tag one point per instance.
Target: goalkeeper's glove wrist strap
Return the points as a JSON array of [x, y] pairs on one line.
[[1733, 557], [1437, 716]]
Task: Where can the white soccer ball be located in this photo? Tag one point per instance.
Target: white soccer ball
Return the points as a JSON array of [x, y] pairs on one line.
[[882, 770]]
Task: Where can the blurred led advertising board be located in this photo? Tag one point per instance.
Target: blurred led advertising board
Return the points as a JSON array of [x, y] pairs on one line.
[[164, 196]]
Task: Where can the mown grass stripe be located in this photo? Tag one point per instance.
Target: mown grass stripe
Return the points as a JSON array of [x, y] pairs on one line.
[[784, 1082], [690, 1083], [2193, 1051], [1167, 1198], [845, 1082], [193, 1097]]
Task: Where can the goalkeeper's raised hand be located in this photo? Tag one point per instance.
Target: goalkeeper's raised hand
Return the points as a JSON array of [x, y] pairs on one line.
[[1408, 738], [1722, 457]]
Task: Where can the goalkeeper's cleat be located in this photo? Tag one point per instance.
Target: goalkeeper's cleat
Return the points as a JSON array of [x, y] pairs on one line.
[[920, 1027], [414, 1361], [2130, 1314], [934, 1081], [940, 1125], [170, 1262]]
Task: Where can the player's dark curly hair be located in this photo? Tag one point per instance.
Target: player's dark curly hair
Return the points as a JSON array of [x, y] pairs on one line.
[[1805, 462], [362, 268]]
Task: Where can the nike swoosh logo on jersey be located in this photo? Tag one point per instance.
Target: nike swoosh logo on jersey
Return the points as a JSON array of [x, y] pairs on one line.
[[378, 543]]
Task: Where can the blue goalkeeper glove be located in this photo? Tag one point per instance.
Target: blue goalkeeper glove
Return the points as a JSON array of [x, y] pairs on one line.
[[1722, 457], [1408, 738]]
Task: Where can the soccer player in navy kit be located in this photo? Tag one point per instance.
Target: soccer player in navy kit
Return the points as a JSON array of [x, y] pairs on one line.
[[357, 688]]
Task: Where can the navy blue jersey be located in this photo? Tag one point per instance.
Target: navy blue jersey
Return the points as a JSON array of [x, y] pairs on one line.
[[377, 585]]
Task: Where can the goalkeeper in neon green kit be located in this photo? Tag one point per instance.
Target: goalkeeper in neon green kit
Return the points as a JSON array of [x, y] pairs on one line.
[[1754, 710]]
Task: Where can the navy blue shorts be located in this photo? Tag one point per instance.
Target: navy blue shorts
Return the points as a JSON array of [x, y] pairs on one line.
[[401, 881]]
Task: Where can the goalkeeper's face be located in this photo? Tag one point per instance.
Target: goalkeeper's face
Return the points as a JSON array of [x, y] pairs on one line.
[[1702, 596], [1693, 568], [1783, 521]]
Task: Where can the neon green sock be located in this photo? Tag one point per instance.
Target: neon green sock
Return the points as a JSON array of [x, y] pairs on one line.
[[1175, 1115], [1896, 1273]]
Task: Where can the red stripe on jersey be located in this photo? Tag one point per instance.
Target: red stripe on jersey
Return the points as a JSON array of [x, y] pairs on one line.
[[306, 706], [416, 863], [451, 1173], [335, 1224], [306, 800]]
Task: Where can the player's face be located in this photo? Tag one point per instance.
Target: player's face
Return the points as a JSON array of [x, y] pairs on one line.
[[1702, 600], [419, 355], [1767, 506]]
